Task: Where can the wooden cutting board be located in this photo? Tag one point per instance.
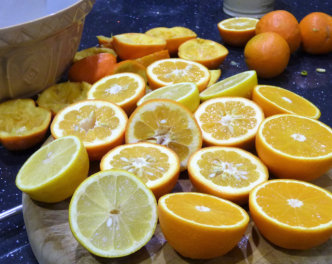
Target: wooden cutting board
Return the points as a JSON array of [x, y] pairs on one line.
[[52, 241]]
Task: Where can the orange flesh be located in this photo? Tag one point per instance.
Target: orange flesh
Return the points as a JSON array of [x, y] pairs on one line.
[[295, 204], [298, 136], [178, 72], [228, 168], [90, 123], [228, 120], [240, 24], [204, 210]]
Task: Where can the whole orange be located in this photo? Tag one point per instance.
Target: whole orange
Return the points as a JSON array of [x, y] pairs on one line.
[[283, 23], [316, 32], [267, 53]]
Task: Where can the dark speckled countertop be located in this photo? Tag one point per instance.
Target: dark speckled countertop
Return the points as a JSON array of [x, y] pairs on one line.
[[113, 17]]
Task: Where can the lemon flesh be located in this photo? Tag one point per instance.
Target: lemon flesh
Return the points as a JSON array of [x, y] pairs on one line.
[[240, 85], [113, 214], [54, 171], [185, 93]]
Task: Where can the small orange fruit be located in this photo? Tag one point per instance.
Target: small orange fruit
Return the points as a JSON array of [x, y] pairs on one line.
[[295, 147], [207, 52], [22, 124], [283, 23], [316, 32], [229, 173], [168, 123], [237, 31], [148, 59], [123, 89], [131, 46], [267, 53], [171, 71], [201, 226], [92, 68], [292, 214], [229, 121], [275, 100], [174, 36], [156, 165], [99, 124]]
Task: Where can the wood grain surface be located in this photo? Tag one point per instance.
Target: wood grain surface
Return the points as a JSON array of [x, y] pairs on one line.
[[52, 241]]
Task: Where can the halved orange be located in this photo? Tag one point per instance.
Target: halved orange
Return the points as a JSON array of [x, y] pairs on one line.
[[214, 76], [22, 123], [237, 31], [292, 214], [201, 226], [123, 89], [131, 46], [207, 52], [229, 173], [275, 100], [295, 147], [229, 121], [168, 123], [156, 165], [131, 66], [174, 36], [60, 95], [170, 71], [99, 124], [92, 51]]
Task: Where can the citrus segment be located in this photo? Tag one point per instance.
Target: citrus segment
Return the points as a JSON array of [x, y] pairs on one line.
[[113, 214], [214, 76], [240, 84], [229, 121], [174, 36], [123, 89], [185, 93], [131, 46], [157, 166], [201, 226], [295, 147], [54, 171], [275, 100], [99, 124], [228, 173], [170, 71], [168, 123], [60, 95], [237, 31], [207, 52], [22, 123], [292, 214]]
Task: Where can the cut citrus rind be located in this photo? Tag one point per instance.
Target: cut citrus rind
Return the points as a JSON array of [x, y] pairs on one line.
[[113, 214], [229, 173], [157, 166]]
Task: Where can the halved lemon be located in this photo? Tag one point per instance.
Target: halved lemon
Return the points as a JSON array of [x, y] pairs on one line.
[[240, 84], [185, 93], [156, 165], [170, 71], [54, 171], [113, 214]]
